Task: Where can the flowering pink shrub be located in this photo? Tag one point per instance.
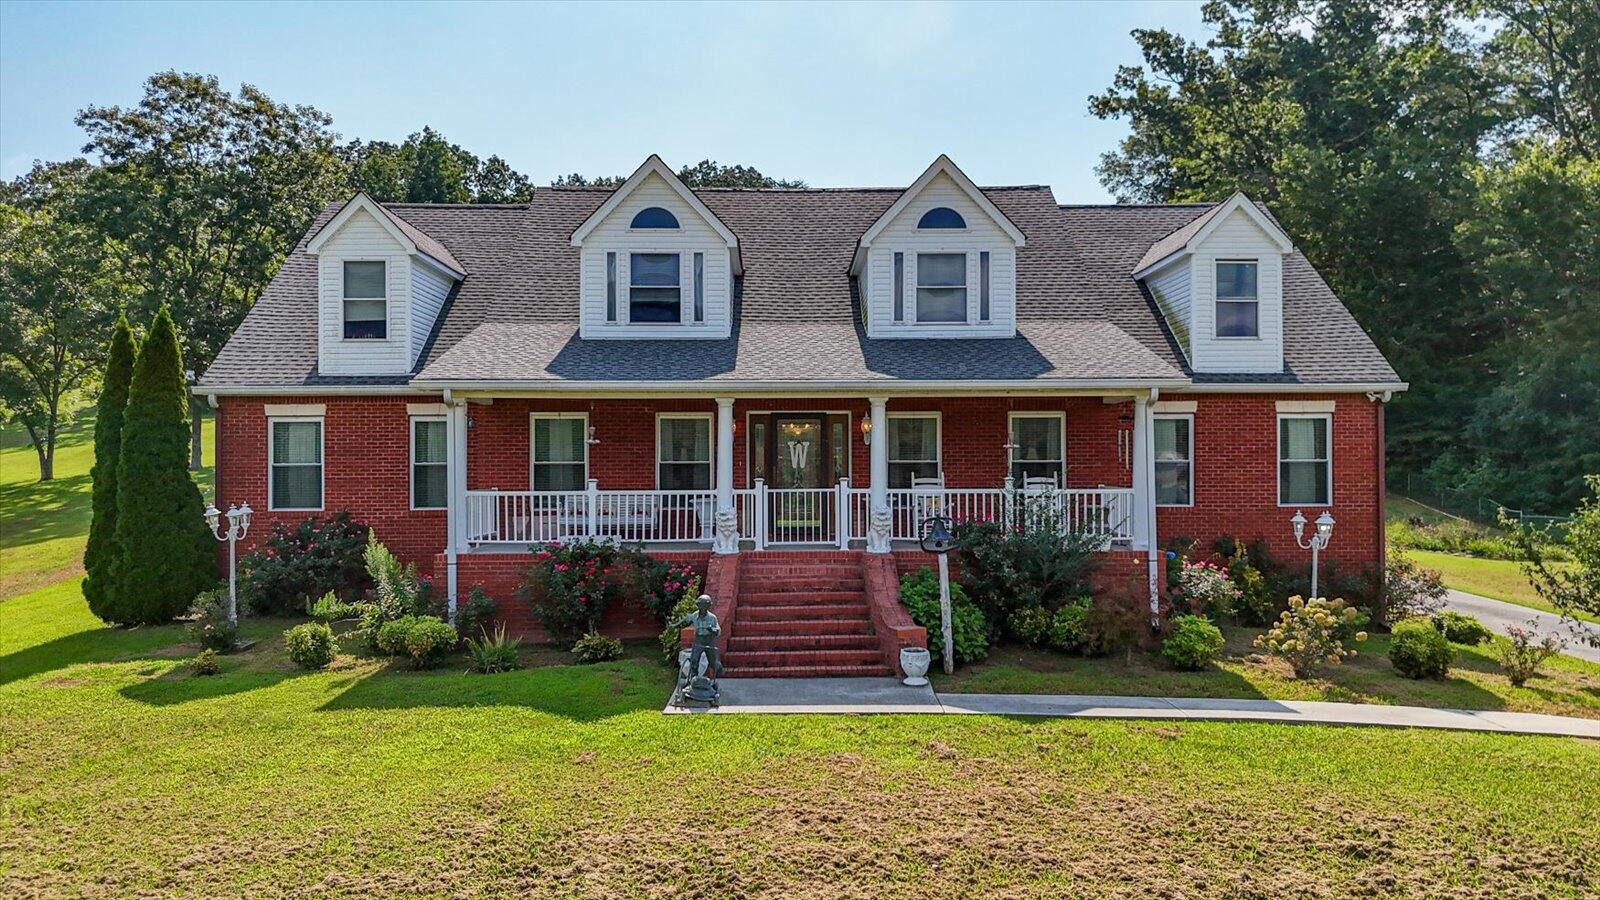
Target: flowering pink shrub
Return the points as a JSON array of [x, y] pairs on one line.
[[1208, 589], [295, 566], [569, 586]]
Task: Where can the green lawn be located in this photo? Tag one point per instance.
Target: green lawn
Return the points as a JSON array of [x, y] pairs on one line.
[[122, 774], [43, 524], [1494, 578], [1569, 687]]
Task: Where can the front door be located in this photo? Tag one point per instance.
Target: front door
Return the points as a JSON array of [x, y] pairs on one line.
[[799, 468]]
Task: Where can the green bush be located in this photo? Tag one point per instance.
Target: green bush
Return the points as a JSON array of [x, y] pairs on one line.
[[206, 663], [493, 652], [208, 625], [310, 645], [1460, 628], [1258, 577], [595, 647], [1409, 590], [473, 617], [1030, 625], [1069, 629], [920, 594], [167, 554], [425, 640], [297, 565], [398, 590], [1419, 650], [1038, 563], [672, 635], [569, 586], [102, 553], [1452, 536], [329, 608], [1525, 653], [1193, 644], [661, 585]]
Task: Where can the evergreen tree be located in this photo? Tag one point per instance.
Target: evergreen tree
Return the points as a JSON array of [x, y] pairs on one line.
[[101, 554], [167, 553]]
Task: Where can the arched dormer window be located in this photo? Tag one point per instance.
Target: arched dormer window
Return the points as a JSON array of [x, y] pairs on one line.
[[654, 217], [941, 217]]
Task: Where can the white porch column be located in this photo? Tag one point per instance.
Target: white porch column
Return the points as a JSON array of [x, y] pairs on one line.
[[1144, 491], [726, 526], [455, 495], [878, 505]]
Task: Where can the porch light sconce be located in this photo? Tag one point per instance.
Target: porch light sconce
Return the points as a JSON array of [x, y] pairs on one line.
[[591, 440], [1316, 543], [866, 430]]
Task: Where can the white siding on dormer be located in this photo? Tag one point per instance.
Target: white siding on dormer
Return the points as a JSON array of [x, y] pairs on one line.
[[1237, 238], [429, 288], [1170, 286], [693, 235], [902, 236], [363, 238]]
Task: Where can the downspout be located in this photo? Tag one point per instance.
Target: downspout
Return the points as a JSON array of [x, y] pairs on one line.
[[456, 454], [1151, 542], [1382, 486]]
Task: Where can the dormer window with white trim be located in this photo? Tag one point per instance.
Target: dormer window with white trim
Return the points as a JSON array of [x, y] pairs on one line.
[[654, 217], [1238, 301], [654, 294], [941, 217], [366, 299], [941, 288]]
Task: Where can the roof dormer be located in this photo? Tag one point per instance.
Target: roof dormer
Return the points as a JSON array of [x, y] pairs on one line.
[[940, 262], [1219, 283], [655, 262], [381, 283]]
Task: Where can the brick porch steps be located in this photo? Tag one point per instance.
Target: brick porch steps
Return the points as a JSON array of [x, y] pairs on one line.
[[803, 614]]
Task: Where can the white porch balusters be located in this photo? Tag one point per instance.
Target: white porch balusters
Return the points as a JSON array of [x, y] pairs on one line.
[[762, 512], [878, 503], [726, 527], [841, 513]]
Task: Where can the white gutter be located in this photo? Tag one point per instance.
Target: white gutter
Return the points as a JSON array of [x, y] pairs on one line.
[[1345, 387], [299, 390], [807, 388]]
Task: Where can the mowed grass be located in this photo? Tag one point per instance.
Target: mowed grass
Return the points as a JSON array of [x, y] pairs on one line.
[[1568, 686], [43, 525], [121, 774], [1496, 579]]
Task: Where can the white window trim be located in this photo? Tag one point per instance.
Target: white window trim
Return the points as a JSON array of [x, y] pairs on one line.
[[1277, 470], [711, 445], [322, 464], [938, 438], [966, 227], [388, 308], [1011, 454], [625, 289], [411, 473], [533, 444], [916, 285], [1190, 417], [1217, 300]]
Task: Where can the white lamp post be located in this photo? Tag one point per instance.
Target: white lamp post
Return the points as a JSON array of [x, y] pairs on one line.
[[1316, 543], [238, 527]]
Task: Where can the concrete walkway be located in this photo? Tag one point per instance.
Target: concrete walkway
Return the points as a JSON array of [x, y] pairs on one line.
[[767, 696], [1497, 614]]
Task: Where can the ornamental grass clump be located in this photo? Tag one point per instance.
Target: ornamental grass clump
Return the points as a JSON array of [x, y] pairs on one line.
[[493, 652], [595, 647], [1310, 634]]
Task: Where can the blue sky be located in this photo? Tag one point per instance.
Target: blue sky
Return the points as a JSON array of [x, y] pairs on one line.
[[857, 94]]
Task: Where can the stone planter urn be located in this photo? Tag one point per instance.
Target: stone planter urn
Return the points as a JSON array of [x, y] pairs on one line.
[[914, 661]]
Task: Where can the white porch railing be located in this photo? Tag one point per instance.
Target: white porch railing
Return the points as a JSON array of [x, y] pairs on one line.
[[831, 516]]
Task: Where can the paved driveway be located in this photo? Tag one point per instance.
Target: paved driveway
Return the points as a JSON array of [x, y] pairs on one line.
[[1497, 615]]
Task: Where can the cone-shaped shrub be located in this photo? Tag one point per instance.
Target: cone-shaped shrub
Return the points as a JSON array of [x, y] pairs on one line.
[[100, 555], [167, 553]]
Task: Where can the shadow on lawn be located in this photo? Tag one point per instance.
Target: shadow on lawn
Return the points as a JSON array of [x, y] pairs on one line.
[[576, 692], [180, 685], [95, 645]]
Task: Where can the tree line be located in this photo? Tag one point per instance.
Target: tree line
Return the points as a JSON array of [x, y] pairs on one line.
[[190, 200], [1439, 162]]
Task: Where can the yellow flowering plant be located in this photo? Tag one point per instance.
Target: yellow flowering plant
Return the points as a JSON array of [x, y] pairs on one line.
[[1310, 634]]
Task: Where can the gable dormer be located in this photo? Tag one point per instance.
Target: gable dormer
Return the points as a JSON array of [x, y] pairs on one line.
[[381, 283], [941, 262], [1219, 282], [655, 263]]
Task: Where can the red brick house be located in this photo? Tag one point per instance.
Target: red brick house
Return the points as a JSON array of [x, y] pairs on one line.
[[781, 384]]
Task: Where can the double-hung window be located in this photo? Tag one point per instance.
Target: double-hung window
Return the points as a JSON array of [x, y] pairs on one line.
[[295, 471], [1175, 460], [366, 299], [1037, 447], [1305, 460], [560, 451], [655, 295], [941, 287], [913, 448], [1238, 306], [683, 452], [429, 465]]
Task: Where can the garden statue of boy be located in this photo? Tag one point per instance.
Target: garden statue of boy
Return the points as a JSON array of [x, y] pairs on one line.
[[706, 630]]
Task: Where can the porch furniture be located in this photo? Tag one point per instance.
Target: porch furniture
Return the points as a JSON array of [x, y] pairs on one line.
[[928, 497]]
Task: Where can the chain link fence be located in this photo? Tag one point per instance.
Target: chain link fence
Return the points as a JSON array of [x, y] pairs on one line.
[[1468, 505]]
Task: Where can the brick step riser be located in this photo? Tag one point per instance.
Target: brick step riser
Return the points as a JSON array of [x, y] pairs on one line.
[[799, 585], [788, 643], [792, 658], [852, 611], [879, 671], [820, 598], [791, 627]]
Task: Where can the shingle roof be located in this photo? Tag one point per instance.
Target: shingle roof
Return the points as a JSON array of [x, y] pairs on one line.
[[425, 244], [1176, 241], [1081, 316]]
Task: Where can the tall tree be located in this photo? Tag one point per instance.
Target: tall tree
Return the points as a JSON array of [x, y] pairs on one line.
[[166, 554], [427, 168], [1548, 52], [101, 555], [206, 191], [58, 286]]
